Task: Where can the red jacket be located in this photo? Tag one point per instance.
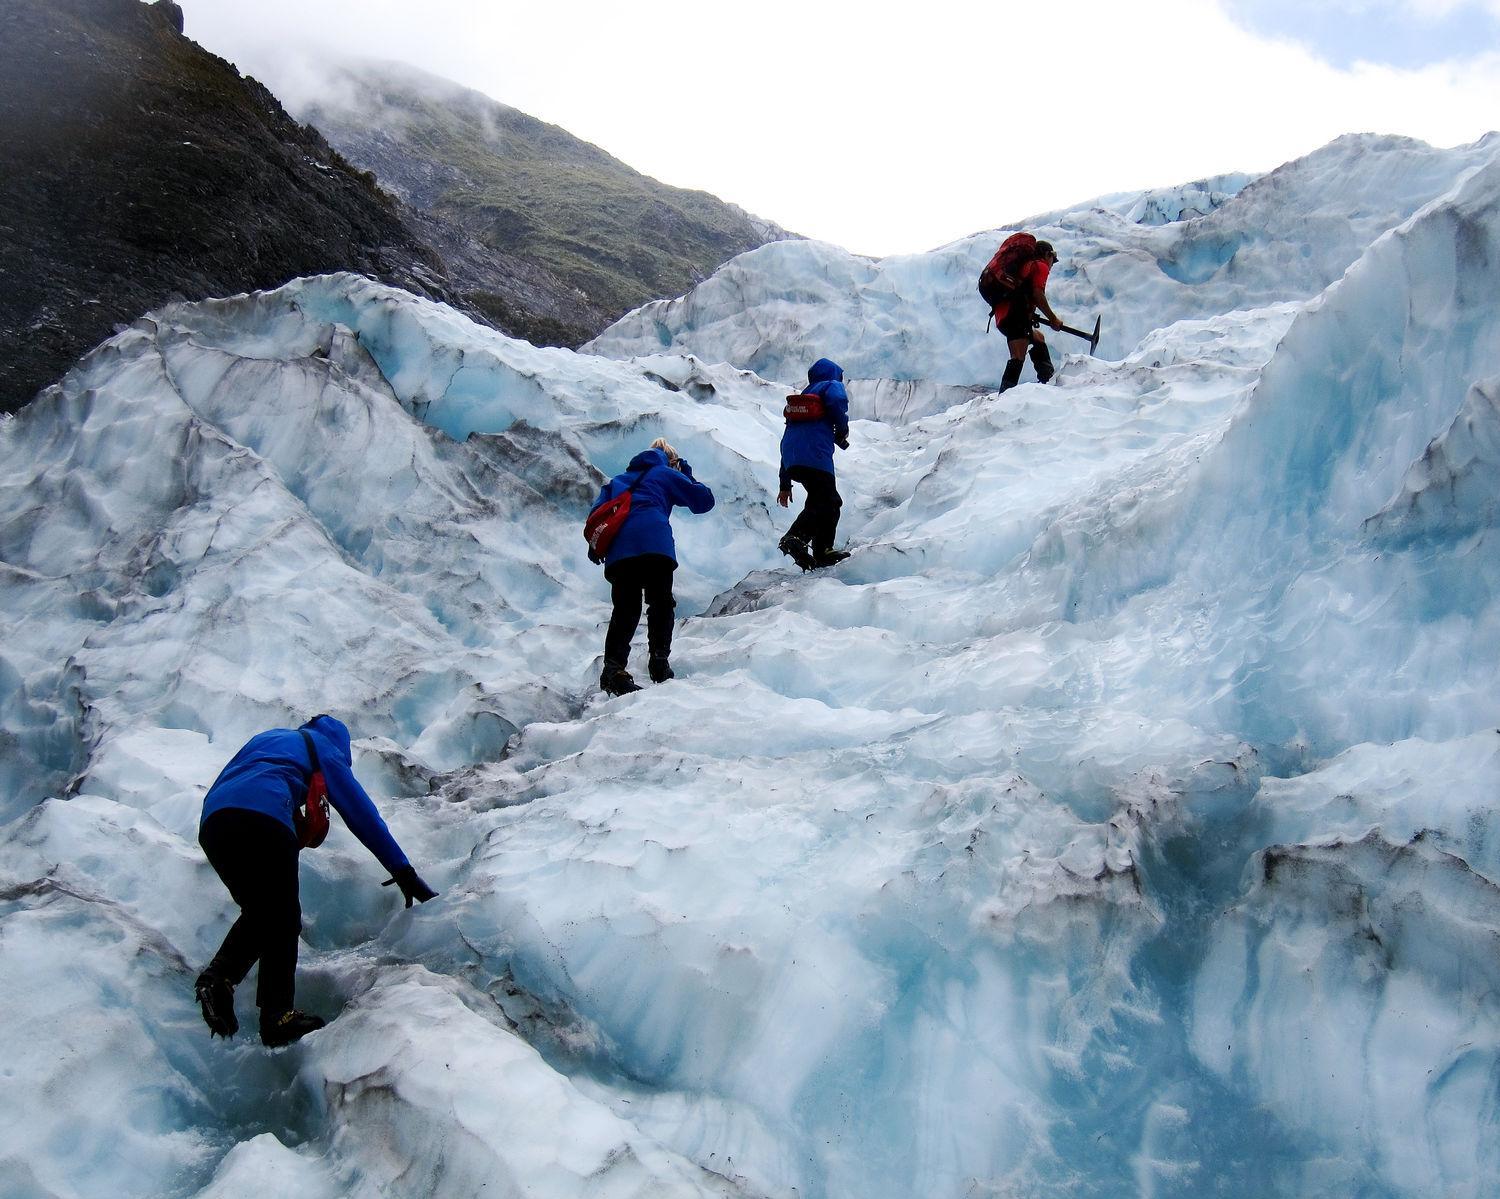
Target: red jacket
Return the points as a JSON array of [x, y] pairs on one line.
[[1033, 277]]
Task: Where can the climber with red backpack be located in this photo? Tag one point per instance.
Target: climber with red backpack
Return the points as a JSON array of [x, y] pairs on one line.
[[630, 531], [817, 421], [267, 805], [1014, 284]]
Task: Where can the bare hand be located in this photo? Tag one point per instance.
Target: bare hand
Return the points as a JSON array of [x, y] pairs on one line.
[[784, 498], [1056, 323]]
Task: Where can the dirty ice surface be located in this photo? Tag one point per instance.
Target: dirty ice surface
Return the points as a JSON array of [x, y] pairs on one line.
[[1119, 819]]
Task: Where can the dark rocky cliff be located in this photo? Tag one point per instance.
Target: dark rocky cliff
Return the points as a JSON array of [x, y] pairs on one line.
[[136, 167]]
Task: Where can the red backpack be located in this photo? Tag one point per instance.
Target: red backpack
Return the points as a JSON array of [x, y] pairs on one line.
[[803, 407], [310, 816], [605, 520], [1001, 277]]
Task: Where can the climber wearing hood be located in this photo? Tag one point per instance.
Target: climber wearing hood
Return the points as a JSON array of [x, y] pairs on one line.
[[641, 558], [264, 807], [817, 421]]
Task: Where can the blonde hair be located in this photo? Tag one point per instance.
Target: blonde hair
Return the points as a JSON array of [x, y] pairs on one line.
[[661, 443]]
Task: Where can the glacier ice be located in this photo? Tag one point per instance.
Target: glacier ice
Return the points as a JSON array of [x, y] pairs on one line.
[[1117, 820], [1283, 236]]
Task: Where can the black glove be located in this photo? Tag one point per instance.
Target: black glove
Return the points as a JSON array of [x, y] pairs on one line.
[[411, 885], [682, 465], [842, 442]]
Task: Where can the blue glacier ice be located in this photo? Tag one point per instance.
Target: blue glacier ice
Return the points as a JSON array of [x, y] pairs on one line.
[[1119, 820], [1283, 236]]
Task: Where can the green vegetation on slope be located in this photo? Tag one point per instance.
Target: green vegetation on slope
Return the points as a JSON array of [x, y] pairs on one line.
[[531, 189]]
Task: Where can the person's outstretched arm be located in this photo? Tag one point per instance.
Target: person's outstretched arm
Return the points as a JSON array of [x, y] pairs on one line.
[[359, 812], [364, 821]]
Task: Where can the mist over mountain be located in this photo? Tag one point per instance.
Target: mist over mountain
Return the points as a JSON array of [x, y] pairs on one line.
[[524, 187], [136, 167]]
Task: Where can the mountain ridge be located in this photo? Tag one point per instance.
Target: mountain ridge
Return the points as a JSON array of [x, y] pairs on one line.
[[523, 186], [136, 167]]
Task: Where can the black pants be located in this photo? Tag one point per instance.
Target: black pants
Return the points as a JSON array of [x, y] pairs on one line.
[[819, 519], [256, 856], [648, 575]]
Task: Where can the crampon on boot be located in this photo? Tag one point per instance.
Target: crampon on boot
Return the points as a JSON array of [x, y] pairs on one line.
[[216, 998], [661, 669], [796, 549], [829, 557], [283, 1029], [616, 680]]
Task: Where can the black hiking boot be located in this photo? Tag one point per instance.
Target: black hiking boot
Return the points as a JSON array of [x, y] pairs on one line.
[[276, 1031], [829, 557], [1042, 360], [1012, 375], [616, 680], [661, 670], [796, 549], [216, 998]]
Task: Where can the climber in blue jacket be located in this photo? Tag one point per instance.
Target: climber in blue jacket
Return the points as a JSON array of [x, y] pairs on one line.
[[807, 457], [641, 558], [249, 834]]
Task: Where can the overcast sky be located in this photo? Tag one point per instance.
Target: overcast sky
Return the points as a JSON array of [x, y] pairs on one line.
[[897, 128]]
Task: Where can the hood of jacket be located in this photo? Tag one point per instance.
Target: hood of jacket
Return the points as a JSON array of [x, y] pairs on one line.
[[334, 733], [648, 458], [824, 369]]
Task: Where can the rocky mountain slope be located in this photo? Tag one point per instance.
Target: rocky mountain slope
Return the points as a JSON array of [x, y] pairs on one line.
[[524, 187], [136, 167]]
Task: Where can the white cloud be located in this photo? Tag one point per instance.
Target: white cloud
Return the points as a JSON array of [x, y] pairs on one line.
[[888, 128]]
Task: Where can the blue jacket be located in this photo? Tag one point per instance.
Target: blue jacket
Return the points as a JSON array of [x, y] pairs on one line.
[[811, 442], [270, 775], [648, 529]]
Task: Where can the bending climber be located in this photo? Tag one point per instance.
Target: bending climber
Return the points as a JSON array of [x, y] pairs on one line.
[[641, 558], [817, 421], [255, 821], [1014, 307]]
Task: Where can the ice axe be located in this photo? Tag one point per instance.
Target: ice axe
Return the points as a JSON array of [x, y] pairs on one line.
[[1091, 338]]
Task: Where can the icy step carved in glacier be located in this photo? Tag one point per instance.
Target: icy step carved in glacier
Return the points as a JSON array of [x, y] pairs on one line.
[[1146, 737]]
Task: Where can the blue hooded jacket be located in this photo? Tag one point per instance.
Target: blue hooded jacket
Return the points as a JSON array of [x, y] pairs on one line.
[[271, 772], [812, 442], [648, 529]]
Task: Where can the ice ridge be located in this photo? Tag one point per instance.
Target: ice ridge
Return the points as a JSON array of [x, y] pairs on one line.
[[1117, 820]]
